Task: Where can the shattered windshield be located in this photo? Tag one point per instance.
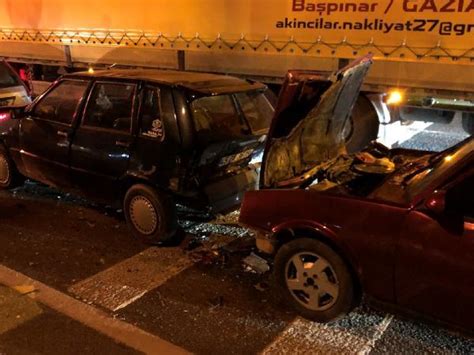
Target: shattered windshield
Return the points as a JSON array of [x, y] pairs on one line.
[[257, 109], [216, 119]]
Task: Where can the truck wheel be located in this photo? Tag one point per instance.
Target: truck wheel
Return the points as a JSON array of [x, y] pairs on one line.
[[362, 127], [314, 280], [468, 122], [150, 215], [9, 176]]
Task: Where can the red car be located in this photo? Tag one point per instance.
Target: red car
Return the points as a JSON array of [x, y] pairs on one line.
[[396, 225]]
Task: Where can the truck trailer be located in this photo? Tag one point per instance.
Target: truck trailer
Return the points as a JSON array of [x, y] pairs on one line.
[[423, 49]]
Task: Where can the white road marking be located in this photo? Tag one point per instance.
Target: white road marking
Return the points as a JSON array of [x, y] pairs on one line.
[[357, 333], [397, 133], [118, 330], [306, 337], [379, 331], [129, 280]]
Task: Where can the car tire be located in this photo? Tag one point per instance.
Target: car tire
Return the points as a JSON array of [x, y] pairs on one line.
[[9, 175], [150, 214], [363, 125], [326, 290], [468, 123]]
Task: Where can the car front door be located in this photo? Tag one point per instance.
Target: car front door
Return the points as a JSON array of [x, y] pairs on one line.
[[100, 151], [46, 131], [435, 266]]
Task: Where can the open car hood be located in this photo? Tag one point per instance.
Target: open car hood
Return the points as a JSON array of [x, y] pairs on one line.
[[309, 121]]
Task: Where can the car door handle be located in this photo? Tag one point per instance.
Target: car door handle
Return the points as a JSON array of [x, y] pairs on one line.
[[121, 143]]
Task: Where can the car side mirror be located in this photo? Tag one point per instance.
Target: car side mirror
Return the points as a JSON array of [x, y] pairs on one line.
[[436, 202]]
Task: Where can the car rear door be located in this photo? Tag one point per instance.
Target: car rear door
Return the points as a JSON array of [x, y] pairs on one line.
[[46, 131], [156, 151], [435, 263], [100, 151]]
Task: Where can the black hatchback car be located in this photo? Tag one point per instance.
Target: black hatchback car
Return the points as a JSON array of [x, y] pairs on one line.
[[141, 139]]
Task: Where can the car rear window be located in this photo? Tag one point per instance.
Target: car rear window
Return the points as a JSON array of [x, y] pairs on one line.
[[257, 110], [7, 78], [216, 119]]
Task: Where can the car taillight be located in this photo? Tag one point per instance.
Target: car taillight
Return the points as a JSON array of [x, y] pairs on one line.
[[23, 75], [5, 116]]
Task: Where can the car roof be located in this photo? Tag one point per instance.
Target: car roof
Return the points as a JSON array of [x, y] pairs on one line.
[[203, 83]]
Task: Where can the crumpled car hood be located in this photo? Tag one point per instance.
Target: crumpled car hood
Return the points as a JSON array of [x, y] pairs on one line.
[[308, 126]]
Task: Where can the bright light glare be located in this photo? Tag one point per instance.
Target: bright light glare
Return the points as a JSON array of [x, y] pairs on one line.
[[90, 70], [448, 158], [4, 116], [394, 97]]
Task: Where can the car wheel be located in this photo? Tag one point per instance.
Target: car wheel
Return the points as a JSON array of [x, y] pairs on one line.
[[362, 127], [314, 280], [150, 214], [468, 122], [9, 177]]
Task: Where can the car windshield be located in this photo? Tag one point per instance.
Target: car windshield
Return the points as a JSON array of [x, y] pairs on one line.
[[437, 165], [7, 78]]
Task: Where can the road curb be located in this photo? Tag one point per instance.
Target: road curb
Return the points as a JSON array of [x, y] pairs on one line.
[[94, 318]]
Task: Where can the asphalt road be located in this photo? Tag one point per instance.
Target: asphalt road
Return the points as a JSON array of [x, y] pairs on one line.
[[79, 283]]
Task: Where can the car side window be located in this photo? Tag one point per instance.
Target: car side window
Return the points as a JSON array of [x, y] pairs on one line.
[[151, 117], [460, 198], [110, 107], [60, 104]]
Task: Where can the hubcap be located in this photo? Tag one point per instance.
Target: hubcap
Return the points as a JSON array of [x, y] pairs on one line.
[[143, 215], [4, 170], [312, 281]]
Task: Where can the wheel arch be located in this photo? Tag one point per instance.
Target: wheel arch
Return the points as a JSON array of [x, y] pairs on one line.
[[290, 232], [130, 180]]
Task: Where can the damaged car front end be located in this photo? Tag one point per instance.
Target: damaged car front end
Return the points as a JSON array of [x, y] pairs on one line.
[[393, 224]]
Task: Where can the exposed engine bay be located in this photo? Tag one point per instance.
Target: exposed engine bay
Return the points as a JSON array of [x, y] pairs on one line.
[[356, 174]]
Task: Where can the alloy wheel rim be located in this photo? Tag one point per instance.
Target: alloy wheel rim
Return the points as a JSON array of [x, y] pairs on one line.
[[4, 170], [143, 215], [312, 281]]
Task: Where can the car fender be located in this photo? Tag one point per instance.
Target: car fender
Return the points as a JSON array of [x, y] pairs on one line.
[[323, 232], [305, 224], [133, 177]]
